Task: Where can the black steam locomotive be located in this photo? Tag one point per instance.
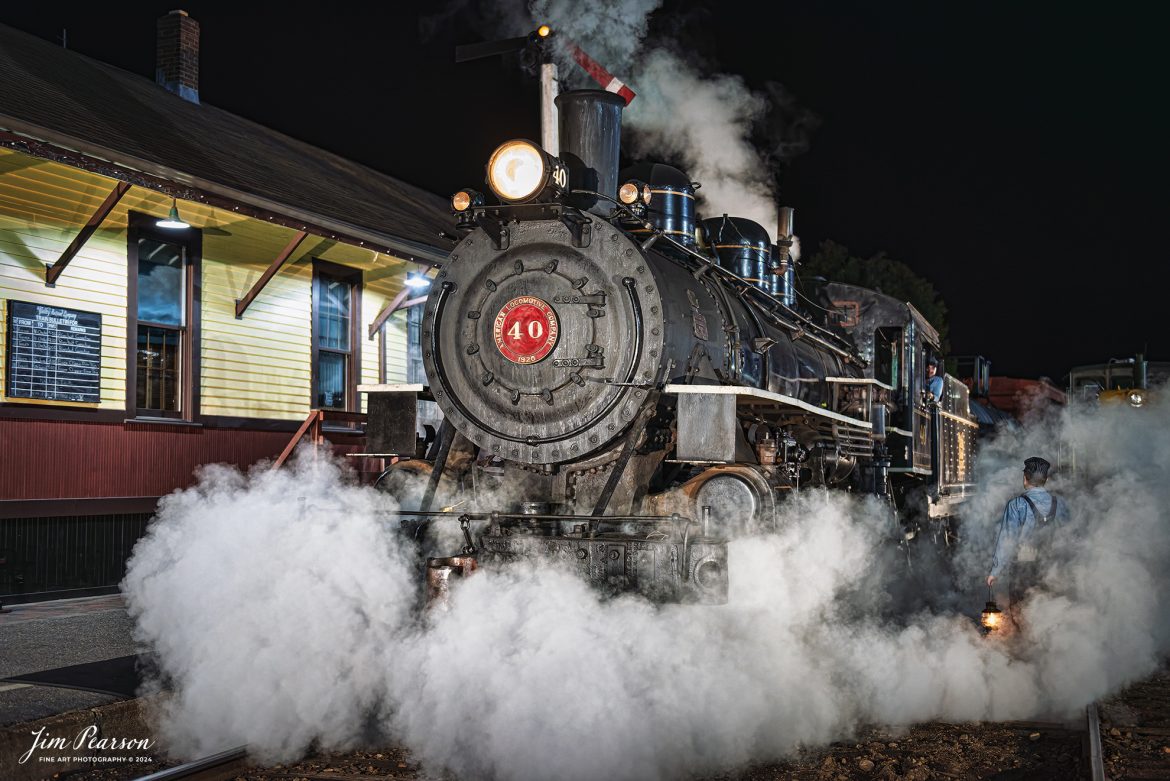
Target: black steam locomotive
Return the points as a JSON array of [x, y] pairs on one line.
[[625, 387]]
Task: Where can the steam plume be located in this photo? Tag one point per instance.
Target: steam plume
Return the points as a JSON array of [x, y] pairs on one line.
[[281, 621]]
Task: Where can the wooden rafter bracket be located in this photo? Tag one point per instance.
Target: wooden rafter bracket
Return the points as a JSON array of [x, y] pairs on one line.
[[103, 211], [242, 304], [400, 302]]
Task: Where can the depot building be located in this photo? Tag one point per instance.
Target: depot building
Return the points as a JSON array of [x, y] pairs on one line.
[[178, 286]]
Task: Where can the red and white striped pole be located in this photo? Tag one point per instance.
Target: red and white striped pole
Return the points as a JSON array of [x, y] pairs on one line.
[[607, 80]]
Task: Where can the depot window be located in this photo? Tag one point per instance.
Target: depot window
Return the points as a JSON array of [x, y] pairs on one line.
[[162, 320], [336, 317]]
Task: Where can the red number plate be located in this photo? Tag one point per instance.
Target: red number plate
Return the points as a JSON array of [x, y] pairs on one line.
[[525, 330]]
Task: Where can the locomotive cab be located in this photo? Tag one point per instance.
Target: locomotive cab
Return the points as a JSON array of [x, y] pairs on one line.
[[930, 443]]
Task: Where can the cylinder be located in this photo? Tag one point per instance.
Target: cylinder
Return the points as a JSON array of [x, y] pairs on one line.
[[590, 136], [742, 247], [1139, 372]]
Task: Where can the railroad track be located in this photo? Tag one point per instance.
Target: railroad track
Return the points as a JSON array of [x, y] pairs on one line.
[[234, 764], [1134, 728], [217, 767], [1121, 738]]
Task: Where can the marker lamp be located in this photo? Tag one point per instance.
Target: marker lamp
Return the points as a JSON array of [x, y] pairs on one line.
[[630, 192], [465, 199]]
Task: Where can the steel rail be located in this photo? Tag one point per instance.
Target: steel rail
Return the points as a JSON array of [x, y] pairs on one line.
[[1096, 758], [224, 765]]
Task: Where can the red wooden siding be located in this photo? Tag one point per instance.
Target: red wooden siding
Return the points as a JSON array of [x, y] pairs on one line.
[[45, 459]]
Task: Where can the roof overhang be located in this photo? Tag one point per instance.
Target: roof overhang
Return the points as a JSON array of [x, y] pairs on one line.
[[65, 149]]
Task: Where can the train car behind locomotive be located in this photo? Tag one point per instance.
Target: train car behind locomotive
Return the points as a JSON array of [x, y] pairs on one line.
[[625, 386]]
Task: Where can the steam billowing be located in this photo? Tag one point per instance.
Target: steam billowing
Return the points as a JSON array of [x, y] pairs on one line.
[[711, 123], [280, 609]]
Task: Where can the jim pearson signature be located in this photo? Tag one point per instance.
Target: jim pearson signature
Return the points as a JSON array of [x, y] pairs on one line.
[[85, 739]]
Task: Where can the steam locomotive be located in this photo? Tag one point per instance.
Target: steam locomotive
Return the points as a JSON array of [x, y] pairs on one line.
[[625, 387]]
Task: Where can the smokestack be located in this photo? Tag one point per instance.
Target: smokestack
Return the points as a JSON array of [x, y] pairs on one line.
[[177, 55], [590, 132]]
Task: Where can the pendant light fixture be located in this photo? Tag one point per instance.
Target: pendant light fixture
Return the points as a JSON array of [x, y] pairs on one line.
[[173, 221]]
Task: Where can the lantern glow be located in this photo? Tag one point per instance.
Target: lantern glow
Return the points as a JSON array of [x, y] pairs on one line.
[[992, 617]]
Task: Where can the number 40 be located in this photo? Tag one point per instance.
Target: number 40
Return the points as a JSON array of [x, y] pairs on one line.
[[535, 330]]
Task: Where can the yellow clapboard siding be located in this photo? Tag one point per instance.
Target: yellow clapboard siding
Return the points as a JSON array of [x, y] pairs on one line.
[[96, 283], [219, 353], [105, 246], [222, 375], [258, 366], [68, 197], [284, 393], [260, 413], [275, 315]]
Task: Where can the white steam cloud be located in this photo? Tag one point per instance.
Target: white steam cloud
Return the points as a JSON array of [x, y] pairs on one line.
[[281, 610], [682, 111]]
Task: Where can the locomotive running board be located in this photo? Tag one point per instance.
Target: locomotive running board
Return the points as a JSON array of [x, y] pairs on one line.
[[746, 395], [708, 429]]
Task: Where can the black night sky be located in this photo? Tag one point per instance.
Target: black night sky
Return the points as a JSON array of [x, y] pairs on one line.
[[1014, 156]]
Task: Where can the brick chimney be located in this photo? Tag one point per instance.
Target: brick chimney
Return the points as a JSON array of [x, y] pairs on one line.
[[177, 55]]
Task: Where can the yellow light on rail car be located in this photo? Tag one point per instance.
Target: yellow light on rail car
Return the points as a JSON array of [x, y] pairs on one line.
[[628, 193], [646, 194], [461, 200], [544, 31], [517, 170]]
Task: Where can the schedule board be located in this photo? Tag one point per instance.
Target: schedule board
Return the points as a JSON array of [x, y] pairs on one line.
[[53, 353]]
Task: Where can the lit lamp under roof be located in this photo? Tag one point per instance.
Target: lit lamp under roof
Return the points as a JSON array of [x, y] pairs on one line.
[[173, 221], [417, 279]]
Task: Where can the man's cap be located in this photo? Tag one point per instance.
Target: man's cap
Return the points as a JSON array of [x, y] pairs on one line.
[[1036, 466]]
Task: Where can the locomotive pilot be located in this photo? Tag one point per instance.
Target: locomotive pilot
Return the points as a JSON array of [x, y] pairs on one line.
[[1025, 531]]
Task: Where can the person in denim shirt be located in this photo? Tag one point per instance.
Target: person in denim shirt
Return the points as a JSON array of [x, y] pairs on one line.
[[934, 380], [1028, 520]]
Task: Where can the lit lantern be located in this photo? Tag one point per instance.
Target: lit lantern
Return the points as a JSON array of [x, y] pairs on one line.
[[992, 616]]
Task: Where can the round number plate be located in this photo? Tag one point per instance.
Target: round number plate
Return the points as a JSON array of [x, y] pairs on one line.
[[525, 330]]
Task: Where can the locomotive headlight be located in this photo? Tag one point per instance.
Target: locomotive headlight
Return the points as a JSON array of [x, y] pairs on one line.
[[520, 170], [1136, 398]]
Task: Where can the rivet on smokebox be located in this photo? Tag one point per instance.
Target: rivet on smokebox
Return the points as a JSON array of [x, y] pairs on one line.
[[441, 572]]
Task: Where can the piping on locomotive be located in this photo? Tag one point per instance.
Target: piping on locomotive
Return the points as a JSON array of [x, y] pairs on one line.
[[626, 387]]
